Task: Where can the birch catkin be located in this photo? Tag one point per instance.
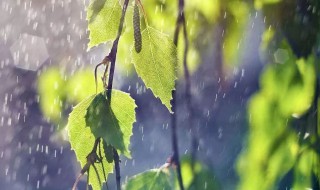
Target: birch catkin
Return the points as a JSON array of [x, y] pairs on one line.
[[137, 31]]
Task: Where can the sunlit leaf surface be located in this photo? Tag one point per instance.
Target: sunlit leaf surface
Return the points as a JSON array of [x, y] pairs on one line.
[[156, 64], [103, 20], [82, 140], [112, 121], [151, 179]]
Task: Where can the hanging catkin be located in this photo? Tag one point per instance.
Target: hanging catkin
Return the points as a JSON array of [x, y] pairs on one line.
[[137, 31]]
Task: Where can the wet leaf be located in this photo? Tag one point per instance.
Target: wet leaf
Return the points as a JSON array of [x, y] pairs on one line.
[[112, 121], [156, 64], [152, 179], [103, 20], [82, 141]]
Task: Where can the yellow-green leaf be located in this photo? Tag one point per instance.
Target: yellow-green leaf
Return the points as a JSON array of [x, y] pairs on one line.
[[103, 18], [156, 64], [155, 179], [82, 141], [112, 121]]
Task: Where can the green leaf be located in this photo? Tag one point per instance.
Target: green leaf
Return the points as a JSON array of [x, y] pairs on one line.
[[155, 179], [113, 122], [104, 19], [108, 149], [82, 141], [156, 64]]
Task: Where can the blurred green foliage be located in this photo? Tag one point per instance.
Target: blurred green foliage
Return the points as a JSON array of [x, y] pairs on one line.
[[50, 88], [197, 175], [236, 16], [59, 91], [274, 147], [283, 139]]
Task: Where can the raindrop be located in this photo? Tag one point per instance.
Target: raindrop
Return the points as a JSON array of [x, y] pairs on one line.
[[9, 121], [47, 150], [44, 169]]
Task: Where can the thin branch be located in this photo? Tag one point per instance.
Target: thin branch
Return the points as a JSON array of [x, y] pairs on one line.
[[180, 23], [117, 167], [104, 173], [96, 171], [194, 143], [112, 58], [87, 186]]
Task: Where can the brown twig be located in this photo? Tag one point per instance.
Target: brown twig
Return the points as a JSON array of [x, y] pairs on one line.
[[91, 159]]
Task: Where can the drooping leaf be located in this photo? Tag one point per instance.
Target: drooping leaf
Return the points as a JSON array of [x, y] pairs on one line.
[[82, 141], [112, 121], [108, 149], [152, 179], [103, 20], [156, 64]]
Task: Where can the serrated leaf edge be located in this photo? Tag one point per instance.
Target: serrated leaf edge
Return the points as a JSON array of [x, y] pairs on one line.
[[175, 69]]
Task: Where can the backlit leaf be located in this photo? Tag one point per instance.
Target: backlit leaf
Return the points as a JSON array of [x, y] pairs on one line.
[[103, 21], [82, 141], [156, 64], [113, 122], [152, 179]]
